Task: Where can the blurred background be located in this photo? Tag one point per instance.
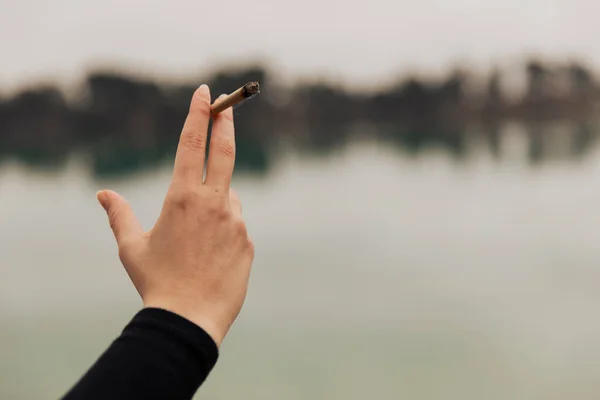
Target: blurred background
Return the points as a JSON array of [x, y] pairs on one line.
[[420, 180]]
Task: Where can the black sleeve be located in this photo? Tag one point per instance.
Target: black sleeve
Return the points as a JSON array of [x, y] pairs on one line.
[[159, 355]]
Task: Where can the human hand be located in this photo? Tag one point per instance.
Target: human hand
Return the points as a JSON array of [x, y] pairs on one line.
[[196, 259]]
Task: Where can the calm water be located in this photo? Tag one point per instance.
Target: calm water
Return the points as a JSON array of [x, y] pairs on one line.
[[377, 275]]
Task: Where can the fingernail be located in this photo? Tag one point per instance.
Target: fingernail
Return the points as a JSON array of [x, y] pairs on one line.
[[101, 197], [203, 87], [223, 95]]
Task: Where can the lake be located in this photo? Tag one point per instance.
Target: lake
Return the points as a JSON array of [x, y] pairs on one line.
[[379, 273]]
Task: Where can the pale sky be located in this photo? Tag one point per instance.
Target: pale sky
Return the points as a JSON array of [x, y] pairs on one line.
[[370, 41]]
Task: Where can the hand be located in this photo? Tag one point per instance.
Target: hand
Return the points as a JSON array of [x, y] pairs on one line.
[[196, 260]]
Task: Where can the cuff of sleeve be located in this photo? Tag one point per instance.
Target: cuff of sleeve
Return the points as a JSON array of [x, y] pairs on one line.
[[194, 337]]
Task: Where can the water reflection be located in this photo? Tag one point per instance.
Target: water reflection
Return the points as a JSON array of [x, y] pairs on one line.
[[121, 153], [122, 124]]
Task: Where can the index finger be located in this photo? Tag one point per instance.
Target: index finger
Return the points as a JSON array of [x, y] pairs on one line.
[[191, 151]]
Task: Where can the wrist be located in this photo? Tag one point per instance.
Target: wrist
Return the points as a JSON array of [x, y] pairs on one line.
[[203, 320]]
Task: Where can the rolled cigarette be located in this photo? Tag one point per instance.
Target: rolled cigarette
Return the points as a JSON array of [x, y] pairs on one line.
[[245, 92]]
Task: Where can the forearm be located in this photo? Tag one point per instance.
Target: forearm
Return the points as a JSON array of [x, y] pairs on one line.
[[159, 355]]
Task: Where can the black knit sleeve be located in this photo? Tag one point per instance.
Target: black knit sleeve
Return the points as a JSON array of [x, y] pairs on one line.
[[159, 355]]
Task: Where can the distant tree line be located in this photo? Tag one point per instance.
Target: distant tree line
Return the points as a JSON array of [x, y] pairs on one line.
[[121, 123]]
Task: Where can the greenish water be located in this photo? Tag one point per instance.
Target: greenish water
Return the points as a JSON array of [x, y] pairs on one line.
[[378, 274]]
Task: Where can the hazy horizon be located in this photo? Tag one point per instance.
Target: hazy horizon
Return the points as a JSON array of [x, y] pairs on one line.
[[362, 44]]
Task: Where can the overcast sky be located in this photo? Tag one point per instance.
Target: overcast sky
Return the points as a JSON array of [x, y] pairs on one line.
[[368, 41]]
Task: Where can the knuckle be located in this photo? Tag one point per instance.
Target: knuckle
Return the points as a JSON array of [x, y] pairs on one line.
[[250, 247], [221, 212], [123, 254], [194, 141], [227, 149], [185, 199], [240, 227], [125, 247], [218, 206]]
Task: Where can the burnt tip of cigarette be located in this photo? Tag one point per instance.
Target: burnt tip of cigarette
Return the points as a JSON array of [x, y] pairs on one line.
[[250, 89]]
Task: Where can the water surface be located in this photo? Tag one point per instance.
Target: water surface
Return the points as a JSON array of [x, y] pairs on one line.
[[378, 274]]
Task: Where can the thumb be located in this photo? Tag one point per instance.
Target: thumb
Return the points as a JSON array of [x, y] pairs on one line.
[[123, 222]]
